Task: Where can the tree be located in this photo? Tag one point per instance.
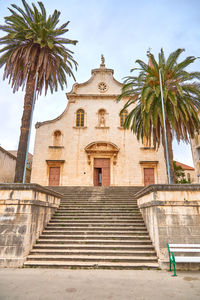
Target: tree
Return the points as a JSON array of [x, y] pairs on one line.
[[181, 101], [179, 174], [33, 47]]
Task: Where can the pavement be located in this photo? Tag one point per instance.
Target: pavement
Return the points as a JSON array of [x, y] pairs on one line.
[[59, 284]]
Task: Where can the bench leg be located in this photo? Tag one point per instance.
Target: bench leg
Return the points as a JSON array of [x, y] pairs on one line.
[[170, 265], [174, 264]]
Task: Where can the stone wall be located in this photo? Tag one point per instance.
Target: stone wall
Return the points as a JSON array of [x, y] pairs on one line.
[[171, 214], [24, 212], [7, 166]]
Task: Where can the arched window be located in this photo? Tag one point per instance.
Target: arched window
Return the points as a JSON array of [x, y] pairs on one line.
[[57, 138], [123, 117], [80, 118]]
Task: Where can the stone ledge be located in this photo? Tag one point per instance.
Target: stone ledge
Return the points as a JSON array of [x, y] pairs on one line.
[[28, 202], [166, 187], [30, 186], [12, 262], [170, 203]]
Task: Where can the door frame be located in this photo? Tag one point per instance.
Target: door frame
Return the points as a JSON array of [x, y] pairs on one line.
[[93, 168], [149, 168], [50, 169], [55, 163], [152, 165]]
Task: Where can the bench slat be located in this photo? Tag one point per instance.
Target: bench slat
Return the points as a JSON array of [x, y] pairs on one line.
[[184, 245], [184, 250], [191, 259]]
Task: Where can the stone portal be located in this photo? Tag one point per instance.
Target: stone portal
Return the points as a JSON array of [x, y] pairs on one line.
[[101, 172]]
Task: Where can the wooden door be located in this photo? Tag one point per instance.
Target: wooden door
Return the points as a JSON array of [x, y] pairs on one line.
[[54, 175], [96, 179], [106, 176], [104, 165], [149, 177]]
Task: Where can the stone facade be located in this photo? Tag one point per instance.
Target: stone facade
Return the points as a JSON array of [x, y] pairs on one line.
[[24, 212], [8, 163], [67, 148], [171, 214], [190, 174], [7, 166]]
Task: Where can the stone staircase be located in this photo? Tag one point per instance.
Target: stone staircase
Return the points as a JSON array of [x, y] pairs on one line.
[[95, 227]]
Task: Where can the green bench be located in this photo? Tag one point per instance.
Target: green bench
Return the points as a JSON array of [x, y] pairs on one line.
[[178, 252]]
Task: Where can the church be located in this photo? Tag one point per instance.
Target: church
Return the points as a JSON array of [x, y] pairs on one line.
[[87, 144]]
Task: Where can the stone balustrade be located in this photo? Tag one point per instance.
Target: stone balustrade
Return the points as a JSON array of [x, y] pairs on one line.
[[171, 214], [25, 209]]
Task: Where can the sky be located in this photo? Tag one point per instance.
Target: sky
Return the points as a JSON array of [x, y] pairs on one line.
[[121, 30]]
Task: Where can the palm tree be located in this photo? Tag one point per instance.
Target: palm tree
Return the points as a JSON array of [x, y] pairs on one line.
[[181, 101], [34, 48]]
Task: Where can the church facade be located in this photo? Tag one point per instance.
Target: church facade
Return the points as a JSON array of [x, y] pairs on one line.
[[87, 144]]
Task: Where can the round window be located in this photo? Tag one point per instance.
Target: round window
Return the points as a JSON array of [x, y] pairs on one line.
[[102, 86]]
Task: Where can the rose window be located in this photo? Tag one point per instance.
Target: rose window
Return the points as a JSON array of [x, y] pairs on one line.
[[102, 86]]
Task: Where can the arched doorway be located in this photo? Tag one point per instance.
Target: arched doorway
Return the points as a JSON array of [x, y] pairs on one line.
[[101, 155]]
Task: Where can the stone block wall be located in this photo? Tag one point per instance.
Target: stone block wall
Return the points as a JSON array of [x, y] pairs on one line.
[[171, 214], [24, 212]]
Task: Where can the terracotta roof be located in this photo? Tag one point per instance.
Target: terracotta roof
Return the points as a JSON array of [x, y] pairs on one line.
[[185, 167]]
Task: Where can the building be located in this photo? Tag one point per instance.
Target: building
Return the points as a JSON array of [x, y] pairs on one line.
[[195, 147], [29, 158], [8, 163], [189, 172], [87, 144], [7, 166]]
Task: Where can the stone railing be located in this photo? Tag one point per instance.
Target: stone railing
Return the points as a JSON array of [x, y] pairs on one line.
[[171, 214], [25, 209]]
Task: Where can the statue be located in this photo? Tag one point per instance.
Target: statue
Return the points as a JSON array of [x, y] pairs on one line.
[[102, 61], [102, 121]]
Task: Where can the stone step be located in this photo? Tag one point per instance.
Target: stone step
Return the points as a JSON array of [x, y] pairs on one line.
[[98, 252], [121, 230], [83, 214], [96, 223], [103, 189], [95, 259], [94, 237], [98, 201], [119, 197], [100, 197], [97, 218], [97, 242], [96, 209], [91, 265], [118, 247], [95, 232], [95, 226]]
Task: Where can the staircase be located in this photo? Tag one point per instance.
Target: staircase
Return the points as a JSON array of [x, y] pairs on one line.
[[95, 227]]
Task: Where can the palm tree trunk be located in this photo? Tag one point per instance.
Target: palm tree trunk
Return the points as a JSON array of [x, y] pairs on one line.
[[25, 127], [170, 151]]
